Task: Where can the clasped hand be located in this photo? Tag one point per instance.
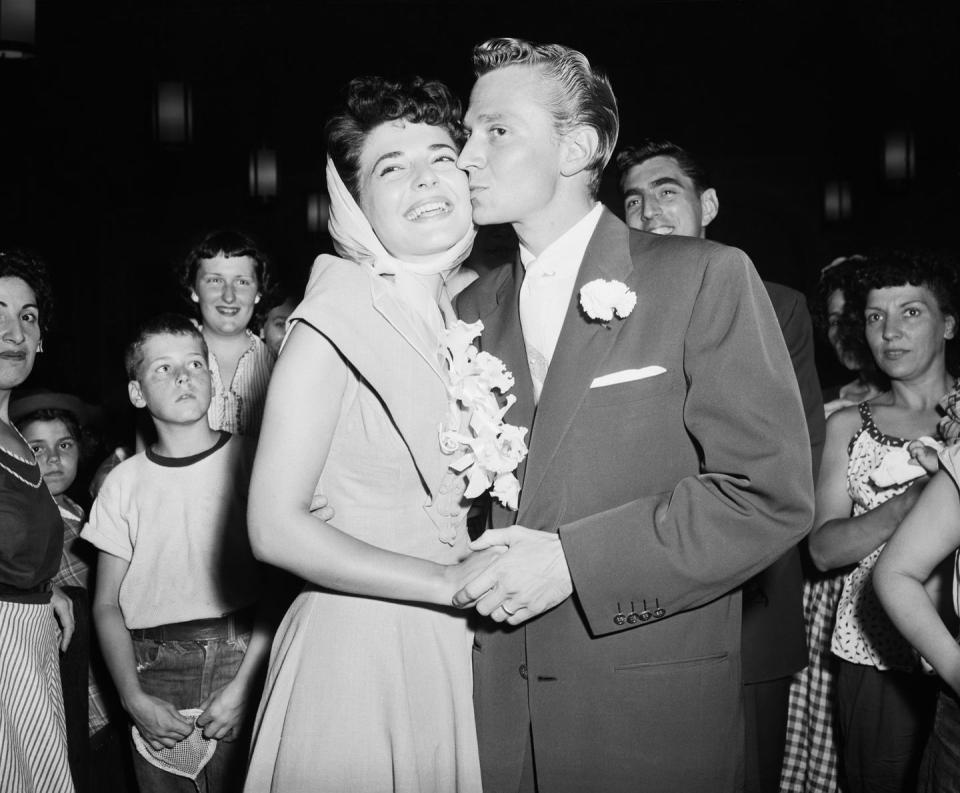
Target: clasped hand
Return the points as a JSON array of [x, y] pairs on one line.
[[528, 578], [162, 725]]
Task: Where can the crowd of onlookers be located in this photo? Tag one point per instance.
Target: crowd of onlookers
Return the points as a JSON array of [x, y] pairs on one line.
[[859, 714], [866, 698], [226, 279]]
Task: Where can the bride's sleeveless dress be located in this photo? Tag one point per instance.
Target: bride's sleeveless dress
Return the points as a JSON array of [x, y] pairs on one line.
[[368, 695]]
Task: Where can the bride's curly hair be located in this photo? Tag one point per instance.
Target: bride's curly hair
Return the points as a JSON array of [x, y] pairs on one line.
[[371, 101]]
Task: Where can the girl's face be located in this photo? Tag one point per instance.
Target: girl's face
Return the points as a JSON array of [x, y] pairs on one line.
[[226, 290], [275, 325], [57, 453], [413, 194], [906, 330], [19, 331]]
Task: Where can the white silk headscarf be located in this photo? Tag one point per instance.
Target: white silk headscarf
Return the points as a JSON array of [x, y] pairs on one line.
[[355, 239]]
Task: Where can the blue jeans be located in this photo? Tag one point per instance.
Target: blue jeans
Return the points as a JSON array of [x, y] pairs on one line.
[[184, 673]]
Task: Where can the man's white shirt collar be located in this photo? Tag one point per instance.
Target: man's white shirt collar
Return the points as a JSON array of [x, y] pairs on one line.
[[566, 252]]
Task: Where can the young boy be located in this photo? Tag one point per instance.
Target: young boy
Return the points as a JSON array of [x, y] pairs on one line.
[[177, 582]]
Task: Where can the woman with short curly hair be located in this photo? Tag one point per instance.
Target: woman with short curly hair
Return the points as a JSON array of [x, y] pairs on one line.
[[904, 311], [224, 277]]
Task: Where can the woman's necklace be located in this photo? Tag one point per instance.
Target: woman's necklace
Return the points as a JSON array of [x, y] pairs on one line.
[[16, 456]]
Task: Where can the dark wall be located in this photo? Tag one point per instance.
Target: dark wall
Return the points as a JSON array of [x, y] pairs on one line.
[[777, 98]]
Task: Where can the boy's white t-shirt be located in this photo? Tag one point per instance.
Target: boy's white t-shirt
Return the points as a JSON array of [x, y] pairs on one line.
[[181, 523]]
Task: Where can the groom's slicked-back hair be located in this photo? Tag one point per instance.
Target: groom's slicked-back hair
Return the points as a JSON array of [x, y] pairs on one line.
[[372, 101], [583, 95]]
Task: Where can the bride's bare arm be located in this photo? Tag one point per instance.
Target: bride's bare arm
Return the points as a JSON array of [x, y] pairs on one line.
[[301, 414]]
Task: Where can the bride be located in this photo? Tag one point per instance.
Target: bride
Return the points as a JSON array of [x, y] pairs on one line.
[[369, 686]]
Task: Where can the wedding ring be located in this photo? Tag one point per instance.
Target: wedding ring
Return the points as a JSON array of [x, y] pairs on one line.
[[507, 611]]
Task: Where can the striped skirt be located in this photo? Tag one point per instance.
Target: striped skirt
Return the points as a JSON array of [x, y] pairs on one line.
[[33, 738]]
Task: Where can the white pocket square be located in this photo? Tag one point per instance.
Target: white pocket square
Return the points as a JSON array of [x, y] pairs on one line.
[[626, 376]]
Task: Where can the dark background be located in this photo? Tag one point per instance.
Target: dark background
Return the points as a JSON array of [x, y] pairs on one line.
[[778, 98]]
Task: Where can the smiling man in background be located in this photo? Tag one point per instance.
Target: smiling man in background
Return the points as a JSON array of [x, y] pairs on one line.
[[667, 192]]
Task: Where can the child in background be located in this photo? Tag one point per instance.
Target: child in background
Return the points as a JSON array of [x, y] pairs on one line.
[[274, 326], [925, 538], [177, 582], [51, 424]]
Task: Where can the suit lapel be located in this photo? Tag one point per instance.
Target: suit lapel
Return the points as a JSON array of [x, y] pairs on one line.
[[503, 337], [581, 349]]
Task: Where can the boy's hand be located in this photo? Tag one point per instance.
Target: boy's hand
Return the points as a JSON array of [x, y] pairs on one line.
[[223, 712], [160, 724], [63, 611]]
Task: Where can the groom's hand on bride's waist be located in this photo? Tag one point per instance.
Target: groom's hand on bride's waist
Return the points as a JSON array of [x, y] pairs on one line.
[[529, 578]]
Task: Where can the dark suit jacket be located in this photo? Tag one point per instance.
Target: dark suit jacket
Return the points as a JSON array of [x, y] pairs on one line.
[[774, 639], [668, 493]]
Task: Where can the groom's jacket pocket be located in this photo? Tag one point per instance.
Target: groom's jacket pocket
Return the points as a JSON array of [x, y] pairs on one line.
[[634, 390], [677, 665]]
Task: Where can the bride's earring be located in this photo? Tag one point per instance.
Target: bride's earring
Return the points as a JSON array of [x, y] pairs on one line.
[[40, 346]]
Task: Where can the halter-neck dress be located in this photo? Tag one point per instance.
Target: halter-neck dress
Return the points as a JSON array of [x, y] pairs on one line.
[[368, 695]]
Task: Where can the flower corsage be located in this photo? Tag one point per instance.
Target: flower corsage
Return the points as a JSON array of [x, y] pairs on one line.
[[490, 448], [600, 299]]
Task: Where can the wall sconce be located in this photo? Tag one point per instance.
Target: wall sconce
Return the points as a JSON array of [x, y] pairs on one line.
[[837, 200], [898, 155], [318, 212], [263, 173], [18, 28], [172, 114]]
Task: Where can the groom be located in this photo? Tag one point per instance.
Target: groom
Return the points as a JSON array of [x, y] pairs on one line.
[[668, 459]]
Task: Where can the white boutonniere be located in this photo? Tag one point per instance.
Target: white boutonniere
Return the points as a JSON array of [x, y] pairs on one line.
[[490, 448], [600, 299]]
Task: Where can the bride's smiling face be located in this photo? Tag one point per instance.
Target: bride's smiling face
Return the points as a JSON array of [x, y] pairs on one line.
[[411, 190]]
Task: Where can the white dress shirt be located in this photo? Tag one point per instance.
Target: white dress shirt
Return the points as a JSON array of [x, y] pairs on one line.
[[545, 292]]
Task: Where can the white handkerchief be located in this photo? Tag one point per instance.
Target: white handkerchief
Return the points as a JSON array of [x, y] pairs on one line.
[[898, 468], [626, 375]]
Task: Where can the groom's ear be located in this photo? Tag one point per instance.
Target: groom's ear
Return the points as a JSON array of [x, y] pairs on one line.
[[578, 148]]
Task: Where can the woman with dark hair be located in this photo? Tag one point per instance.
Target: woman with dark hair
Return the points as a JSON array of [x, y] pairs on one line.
[[828, 318], [224, 277], [810, 753], [370, 681], [908, 317], [33, 740]]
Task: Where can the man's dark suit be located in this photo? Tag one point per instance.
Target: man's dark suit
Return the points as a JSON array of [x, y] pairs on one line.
[[774, 639], [668, 492]]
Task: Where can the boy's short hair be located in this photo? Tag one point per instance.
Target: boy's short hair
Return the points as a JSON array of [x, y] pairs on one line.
[[171, 324]]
